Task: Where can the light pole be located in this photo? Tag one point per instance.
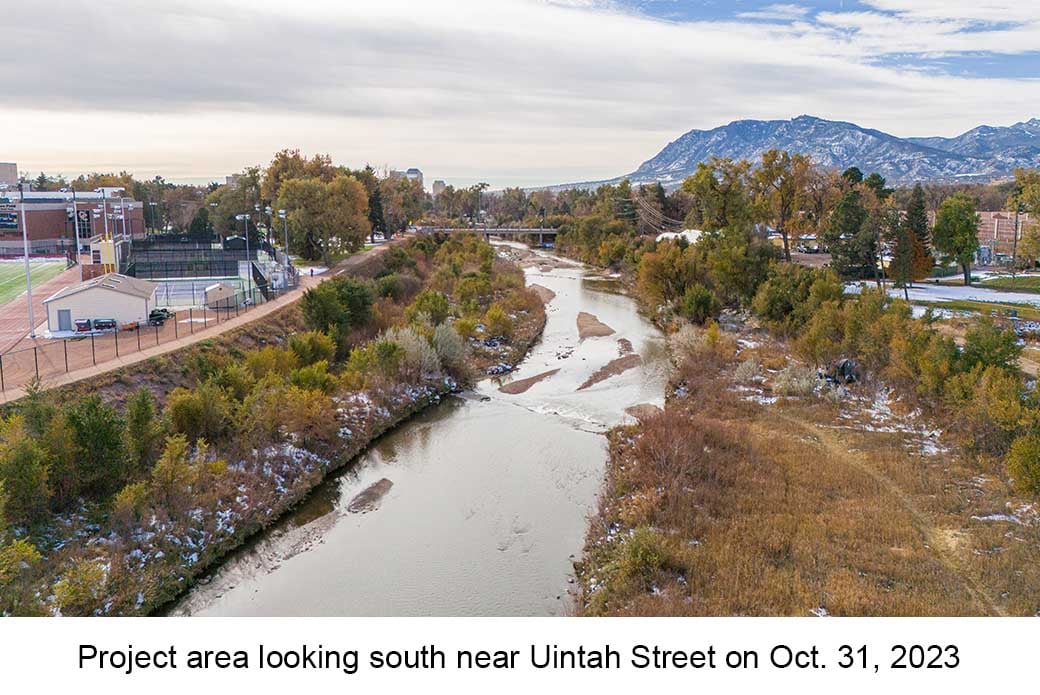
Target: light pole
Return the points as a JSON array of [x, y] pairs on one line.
[[284, 216], [152, 206], [28, 274], [249, 261]]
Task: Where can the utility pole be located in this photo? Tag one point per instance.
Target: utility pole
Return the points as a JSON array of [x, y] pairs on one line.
[[1014, 244], [28, 273], [285, 228], [249, 262]]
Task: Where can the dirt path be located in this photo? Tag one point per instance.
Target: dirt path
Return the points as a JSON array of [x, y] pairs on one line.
[[936, 539]]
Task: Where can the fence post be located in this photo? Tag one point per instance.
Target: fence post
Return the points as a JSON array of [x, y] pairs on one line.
[[116, 334], [36, 362], [2, 386], [205, 318], [93, 355], [191, 320], [156, 334], [65, 344], [138, 338], [175, 334]]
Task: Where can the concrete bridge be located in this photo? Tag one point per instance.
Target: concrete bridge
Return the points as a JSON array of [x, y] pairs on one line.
[[507, 232]]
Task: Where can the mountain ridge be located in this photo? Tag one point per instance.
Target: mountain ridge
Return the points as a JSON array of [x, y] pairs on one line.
[[983, 154]]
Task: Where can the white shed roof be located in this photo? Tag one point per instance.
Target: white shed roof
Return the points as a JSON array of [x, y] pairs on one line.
[[114, 282]]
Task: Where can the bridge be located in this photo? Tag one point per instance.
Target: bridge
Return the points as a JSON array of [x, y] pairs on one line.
[[489, 232]]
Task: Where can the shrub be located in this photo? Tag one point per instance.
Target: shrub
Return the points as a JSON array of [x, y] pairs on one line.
[[991, 344], [129, 505], [143, 430], [80, 591], [450, 348], [23, 469], [312, 346], [339, 305], [204, 412], [15, 558], [18, 561], [97, 430], [435, 305], [698, 304], [271, 360], [315, 377], [419, 355], [475, 287], [748, 371], [465, 327], [498, 322], [796, 381], [792, 294], [985, 408], [235, 380], [175, 473], [311, 417], [1024, 463]]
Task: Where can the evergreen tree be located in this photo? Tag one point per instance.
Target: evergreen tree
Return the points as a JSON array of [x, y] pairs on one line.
[[375, 213], [917, 218]]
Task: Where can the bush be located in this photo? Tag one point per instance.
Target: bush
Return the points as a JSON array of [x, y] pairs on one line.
[[748, 371], [699, 304], [97, 430], [338, 305], [465, 327], [80, 591], [315, 377], [795, 381], [235, 380], [498, 322], [143, 430], [311, 417], [204, 412], [129, 505], [790, 296], [18, 561], [175, 473], [311, 347], [450, 348], [23, 470], [419, 354], [271, 360], [432, 304], [1024, 464], [985, 408], [991, 344]]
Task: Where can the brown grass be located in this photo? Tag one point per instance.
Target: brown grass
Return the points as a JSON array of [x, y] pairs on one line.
[[722, 506]]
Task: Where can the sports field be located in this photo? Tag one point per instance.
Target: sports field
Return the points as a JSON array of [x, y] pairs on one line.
[[12, 276]]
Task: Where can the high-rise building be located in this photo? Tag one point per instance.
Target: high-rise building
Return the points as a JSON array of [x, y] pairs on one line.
[[438, 187], [8, 174]]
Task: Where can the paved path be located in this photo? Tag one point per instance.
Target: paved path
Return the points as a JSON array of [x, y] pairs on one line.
[[352, 264]]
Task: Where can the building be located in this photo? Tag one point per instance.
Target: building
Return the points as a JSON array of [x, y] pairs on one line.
[[110, 296], [55, 219], [8, 174], [438, 187], [232, 180], [412, 174]]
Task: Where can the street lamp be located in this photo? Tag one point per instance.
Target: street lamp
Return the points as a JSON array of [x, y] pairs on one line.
[[249, 261], [284, 216], [28, 274]]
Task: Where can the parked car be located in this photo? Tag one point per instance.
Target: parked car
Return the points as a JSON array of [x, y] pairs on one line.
[[105, 324], [83, 326], [158, 317]]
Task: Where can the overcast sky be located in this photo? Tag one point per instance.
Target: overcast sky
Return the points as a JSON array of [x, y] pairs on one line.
[[513, 92]]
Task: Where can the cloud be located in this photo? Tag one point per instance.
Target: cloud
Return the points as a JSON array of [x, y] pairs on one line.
[[515, 91], [779, 12]]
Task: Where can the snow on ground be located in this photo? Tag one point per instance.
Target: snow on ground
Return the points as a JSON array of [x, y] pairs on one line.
[[947, 293]]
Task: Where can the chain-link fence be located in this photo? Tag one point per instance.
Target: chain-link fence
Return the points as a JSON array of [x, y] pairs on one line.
[[49, 358]]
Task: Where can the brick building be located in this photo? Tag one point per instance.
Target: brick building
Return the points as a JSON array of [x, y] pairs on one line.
[[54, 220]]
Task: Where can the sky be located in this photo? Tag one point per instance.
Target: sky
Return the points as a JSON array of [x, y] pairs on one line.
[[511, 92]]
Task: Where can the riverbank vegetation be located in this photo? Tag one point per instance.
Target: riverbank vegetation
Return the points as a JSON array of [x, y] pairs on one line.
[[820, 453], [115, 499]]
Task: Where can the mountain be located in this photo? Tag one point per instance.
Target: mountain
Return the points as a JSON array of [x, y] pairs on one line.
[[982, 154]]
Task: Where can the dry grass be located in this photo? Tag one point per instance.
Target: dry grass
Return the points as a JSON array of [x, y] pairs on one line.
[[731, 503]]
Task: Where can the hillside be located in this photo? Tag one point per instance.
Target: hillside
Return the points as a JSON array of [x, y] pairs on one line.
[[982, 154]]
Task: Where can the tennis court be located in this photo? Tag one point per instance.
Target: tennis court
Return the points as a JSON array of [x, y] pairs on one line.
[[12, 275]]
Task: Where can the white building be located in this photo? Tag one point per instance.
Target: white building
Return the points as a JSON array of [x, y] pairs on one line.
[[111, 296], [9, 174]]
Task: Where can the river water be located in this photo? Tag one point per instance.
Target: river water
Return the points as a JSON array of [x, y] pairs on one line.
[[490, 492]]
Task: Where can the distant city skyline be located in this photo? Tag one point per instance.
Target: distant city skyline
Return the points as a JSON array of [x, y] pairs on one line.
[[515, 92]]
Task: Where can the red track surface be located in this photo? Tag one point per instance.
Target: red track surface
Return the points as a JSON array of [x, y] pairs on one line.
[[14, 316]]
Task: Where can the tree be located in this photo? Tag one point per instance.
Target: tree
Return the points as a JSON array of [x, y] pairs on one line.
[[325, 220], [720, 191], [200, 228], [955, 234], [991, 343], [97, 430], [917, 217], [781, 182], [23, 470], [175, 472], [849, 238], [291, 164], [375, 213], [143, 430]]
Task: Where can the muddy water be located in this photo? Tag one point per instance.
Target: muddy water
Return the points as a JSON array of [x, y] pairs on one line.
[[478, 506]]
